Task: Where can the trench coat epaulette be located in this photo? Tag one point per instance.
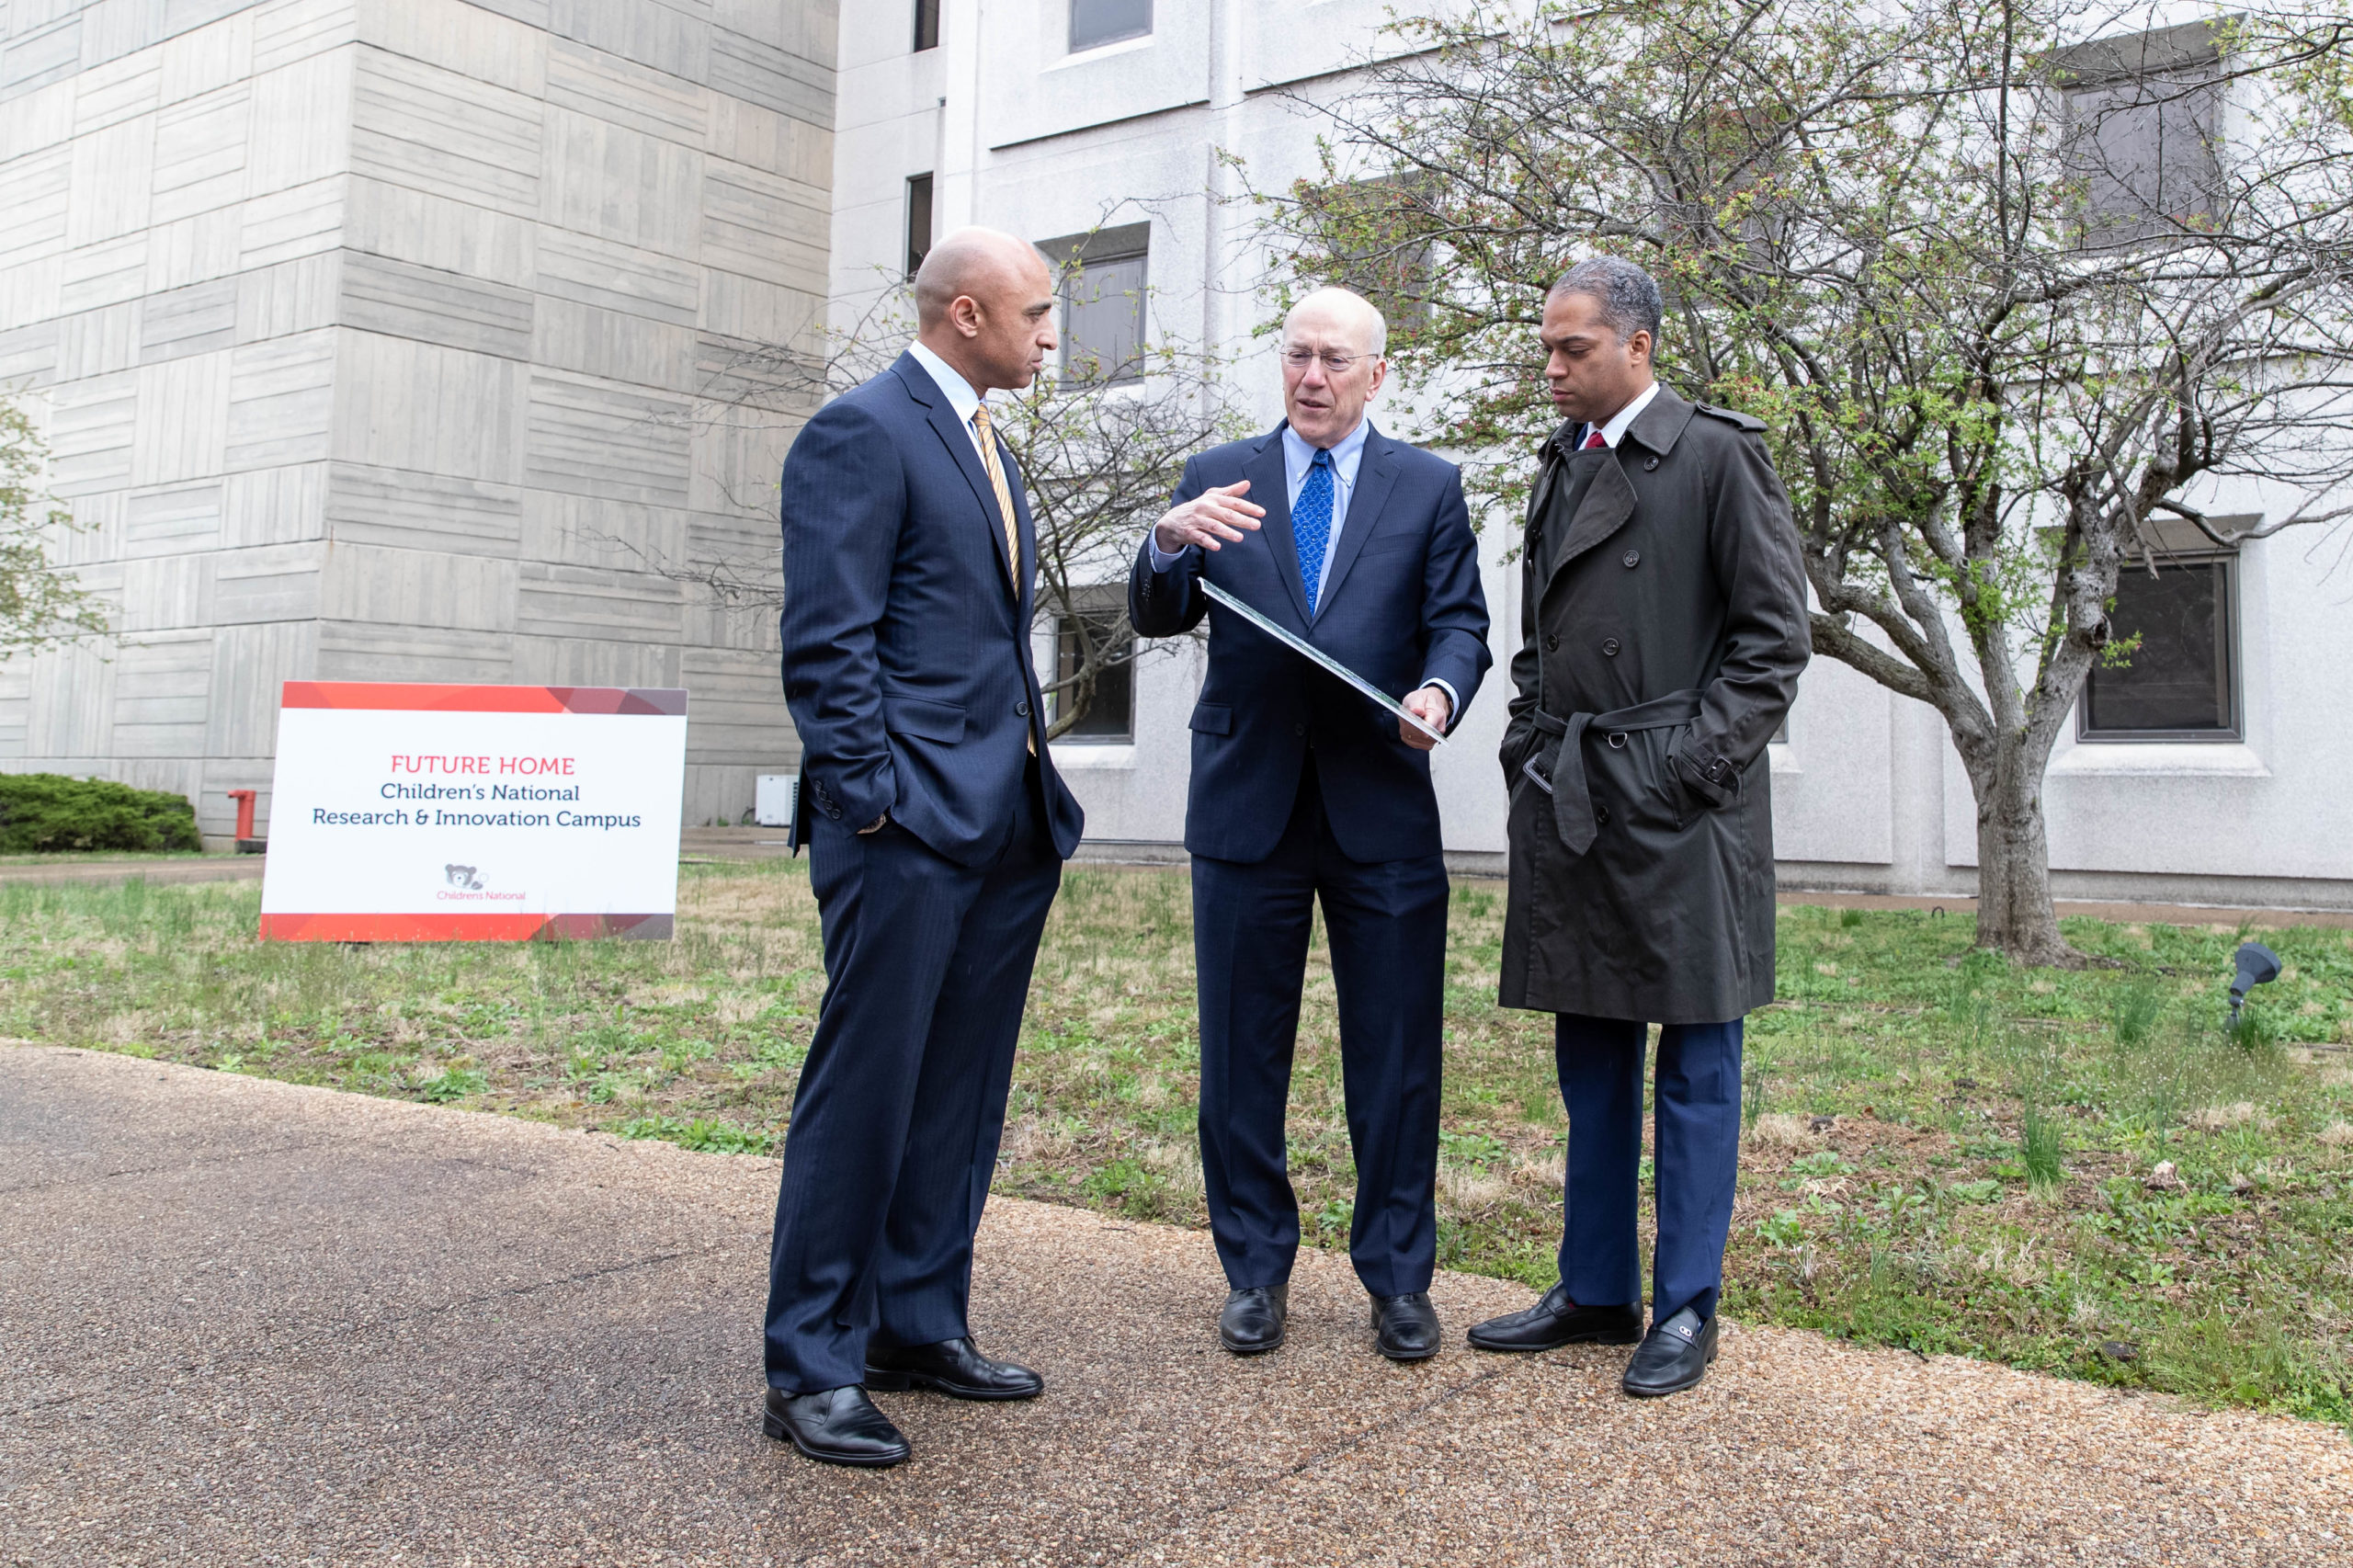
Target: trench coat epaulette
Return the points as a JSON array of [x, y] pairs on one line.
[[1748, 422]]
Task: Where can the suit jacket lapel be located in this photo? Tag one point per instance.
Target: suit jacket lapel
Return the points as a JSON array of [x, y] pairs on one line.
[[959, 441], [1271, 488], [1376, 474]]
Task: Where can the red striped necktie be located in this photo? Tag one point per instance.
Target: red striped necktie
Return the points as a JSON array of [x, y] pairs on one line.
[[1593, 438]]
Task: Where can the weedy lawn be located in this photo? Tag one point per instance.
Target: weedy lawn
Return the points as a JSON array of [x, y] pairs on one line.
[[2080, 1172]]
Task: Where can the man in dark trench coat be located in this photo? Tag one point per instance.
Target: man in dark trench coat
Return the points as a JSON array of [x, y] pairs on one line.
[[1664, 628]]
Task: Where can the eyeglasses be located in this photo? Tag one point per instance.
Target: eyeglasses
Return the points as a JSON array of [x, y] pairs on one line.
[[1333, 364]]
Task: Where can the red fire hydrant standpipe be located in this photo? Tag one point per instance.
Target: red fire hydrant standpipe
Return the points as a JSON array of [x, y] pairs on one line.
[[247, 843]]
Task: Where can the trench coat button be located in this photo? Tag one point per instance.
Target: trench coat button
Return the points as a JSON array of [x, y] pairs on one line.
[[1551, 644], [1022, 708], [1298, 729], [1600, 814], [1648, 463], [1632, 559], [1610, 647]]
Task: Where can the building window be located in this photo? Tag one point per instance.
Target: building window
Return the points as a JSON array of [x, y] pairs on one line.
[[1102, 290], [2181, 681], [2143, 113], [1099, 636], [1094, 22], [918, 220], [926, 24]]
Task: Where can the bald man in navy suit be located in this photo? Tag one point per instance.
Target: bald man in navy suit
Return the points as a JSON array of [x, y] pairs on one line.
[[936, 829]]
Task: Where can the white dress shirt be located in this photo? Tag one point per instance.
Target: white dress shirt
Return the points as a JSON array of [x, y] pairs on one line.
[[957, 391], [1299, 456]]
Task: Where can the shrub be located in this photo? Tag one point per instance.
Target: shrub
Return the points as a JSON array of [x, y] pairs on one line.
[[45, 813]]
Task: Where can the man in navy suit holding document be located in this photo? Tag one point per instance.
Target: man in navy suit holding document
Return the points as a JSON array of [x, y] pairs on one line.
[[1304, 789]]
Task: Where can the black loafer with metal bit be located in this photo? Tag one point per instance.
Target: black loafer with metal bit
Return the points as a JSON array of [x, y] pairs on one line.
[[1673, 1357], [1405, 1326], [835, 1425], [954, 1367], [1252, 1321], [1556, 1320]]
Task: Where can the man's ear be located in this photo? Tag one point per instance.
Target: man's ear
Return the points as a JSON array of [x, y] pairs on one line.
[[1639, 347], [964, 315]]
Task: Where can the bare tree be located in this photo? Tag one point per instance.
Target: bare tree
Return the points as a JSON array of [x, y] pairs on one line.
[[41, 604], [1100, 448], [2019, 288]]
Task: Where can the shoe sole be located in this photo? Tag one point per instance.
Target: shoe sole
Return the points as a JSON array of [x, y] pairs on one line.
[[1693, 1382], [1232, 1349], [1597, 1337], [783, 1434], [879, 1382]]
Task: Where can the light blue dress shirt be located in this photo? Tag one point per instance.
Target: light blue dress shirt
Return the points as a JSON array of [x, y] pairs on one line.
[[1299, 456], [956, 389]]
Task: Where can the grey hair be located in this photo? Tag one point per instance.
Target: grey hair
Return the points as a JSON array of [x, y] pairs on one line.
[[1627, 296]]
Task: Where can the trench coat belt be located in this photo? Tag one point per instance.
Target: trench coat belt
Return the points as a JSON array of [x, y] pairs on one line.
[[1572, 801]]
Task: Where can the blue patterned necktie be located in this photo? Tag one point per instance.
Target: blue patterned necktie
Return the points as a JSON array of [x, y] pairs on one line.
[[1311, 523]]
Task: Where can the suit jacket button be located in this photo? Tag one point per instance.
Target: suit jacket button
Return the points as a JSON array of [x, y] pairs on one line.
[[1299, 729], [1610, 647], [1022, 708], [1600, 814], [1551, 644], [1632, 558]]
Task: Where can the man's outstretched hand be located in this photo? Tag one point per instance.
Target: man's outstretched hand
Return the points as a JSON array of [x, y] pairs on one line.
[[1215, 518], [1430, 706]]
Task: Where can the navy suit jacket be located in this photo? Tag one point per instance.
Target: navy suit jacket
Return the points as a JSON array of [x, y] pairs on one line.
[[906, 652], [1401, 607]]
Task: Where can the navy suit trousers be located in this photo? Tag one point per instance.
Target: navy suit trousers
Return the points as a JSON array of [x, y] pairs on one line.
[[1697, 1162], [1386, 923], [901, 1102]]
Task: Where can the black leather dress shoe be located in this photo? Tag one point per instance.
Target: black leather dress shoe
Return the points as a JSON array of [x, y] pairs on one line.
[[954, 1367], [1673, 1357], [1407, 1326], [837, 1426], [1252, 1321], [1556, 1320]]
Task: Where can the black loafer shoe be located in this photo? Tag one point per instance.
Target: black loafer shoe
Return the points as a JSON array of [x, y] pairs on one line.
[[1407, 1326], [1673, 1359], [1556, 1320], [1252, 1321], [954, 1367], [837, 1426]]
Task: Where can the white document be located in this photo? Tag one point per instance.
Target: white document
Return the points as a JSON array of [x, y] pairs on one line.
[[1318, 656]]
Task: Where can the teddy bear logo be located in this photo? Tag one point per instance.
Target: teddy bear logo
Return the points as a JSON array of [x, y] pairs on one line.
[[462, 877]]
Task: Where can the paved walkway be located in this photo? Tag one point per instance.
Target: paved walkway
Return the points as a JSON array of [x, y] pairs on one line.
[[246, 1323]]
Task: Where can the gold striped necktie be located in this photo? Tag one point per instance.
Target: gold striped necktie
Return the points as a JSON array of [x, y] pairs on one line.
[[1005, 513], [1003, 494]]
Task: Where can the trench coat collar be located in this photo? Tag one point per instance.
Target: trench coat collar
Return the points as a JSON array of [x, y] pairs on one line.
[[1657, 428], [1608, 502], [958, 438]]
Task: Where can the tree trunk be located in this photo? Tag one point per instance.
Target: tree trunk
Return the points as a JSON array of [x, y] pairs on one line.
[[2014, 909]]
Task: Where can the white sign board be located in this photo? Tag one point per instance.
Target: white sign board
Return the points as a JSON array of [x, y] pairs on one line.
[[411, 812]]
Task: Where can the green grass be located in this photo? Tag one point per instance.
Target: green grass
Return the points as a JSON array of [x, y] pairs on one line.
[[2075, 1172]]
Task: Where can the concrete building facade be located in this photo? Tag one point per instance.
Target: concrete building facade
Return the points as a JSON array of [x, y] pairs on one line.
[[406, 340], [1054, 118]]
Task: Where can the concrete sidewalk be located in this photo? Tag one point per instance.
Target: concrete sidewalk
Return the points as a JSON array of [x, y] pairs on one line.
[[247, 1322]]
